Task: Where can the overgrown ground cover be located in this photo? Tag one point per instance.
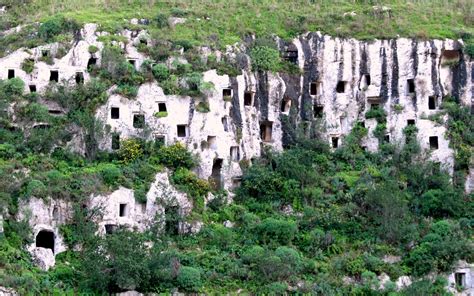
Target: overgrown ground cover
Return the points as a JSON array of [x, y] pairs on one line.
[[220, 22]]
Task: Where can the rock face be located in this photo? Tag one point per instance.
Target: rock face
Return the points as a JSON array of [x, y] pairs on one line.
[[43, 258], [461, 281]]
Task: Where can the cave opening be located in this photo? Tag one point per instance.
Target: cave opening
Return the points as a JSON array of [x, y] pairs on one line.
[[45, 239]]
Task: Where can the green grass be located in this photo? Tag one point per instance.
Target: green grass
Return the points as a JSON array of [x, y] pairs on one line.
[[221, 22]]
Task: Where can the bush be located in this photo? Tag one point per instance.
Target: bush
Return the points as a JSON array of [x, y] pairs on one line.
[[36, 188], [176, 156], [378, 113], [110, 174], [161, 20], [276, 231], [189, 279], [160, 72], [265, 58], [203, 107], [130, 150], [28, 65], [55, 26], [11, 88], [93, 49], [190, 183]]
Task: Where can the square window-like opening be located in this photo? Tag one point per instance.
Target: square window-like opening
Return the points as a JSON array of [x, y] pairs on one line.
[[32, 88], [285, 105], [410, 121], [431, 103], [411, 86], [110, 228], [115, 112], [54, 75], [162, 107], [212, 142], [335, 142], [133, 62], [314, 88], [460, 279], [91, 63], [235, 153], [266, 131], [138, 121], [182, 130], [318, 111], [123, 210], [367, 79], [434, 142], [44, 53], [160, 141], [386, 138], [291, 55], [227, 94], [341, 87], [225, 123], [11, 73], [79, 78], [248, 98], [374, 106], [115, 141]]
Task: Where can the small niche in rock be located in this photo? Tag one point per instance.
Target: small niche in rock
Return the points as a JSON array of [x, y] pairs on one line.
[[212, 142], [248, 98], [45, 53], [216, 174], [266, 131], [335, 142], [32, 88], [236, 181], [411, 86], [182, 130], [172, 218], [54, 112], [285, 105], [115, 141], [79, 78], [91, 63], [227, 94], [386, 138], [162, 107], [55, 213], [235, 153], [11, 73], [460, 279], [434, 142], [54, 75], [318, 111], [291, 54], [45, 239], [110, 228], [341, 87], [160, 140], [138, 121], [315, 88], [410, 121], [225, 123], [123, 210], [115, 112], [431, 103], [133, 62]]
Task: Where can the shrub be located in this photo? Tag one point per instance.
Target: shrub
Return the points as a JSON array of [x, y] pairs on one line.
[[55, 26], [190, 183], [161, 20], [130, 150], [203, 107], [93, 49], [160, 72], [110, 174], [28, 65], [11, 88], [378, 113], [265, 58], [189, 279], [176, 156], [36, 188], [276, 231]]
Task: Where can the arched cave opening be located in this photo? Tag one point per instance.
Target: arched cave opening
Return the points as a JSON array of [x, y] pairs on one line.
[[45, 239]]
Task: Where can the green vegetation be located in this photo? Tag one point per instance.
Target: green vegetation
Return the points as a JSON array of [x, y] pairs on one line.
[[222, 23], [307, 215]]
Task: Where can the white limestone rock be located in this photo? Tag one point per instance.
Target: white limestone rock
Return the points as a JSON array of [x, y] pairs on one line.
[[43, 258]]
